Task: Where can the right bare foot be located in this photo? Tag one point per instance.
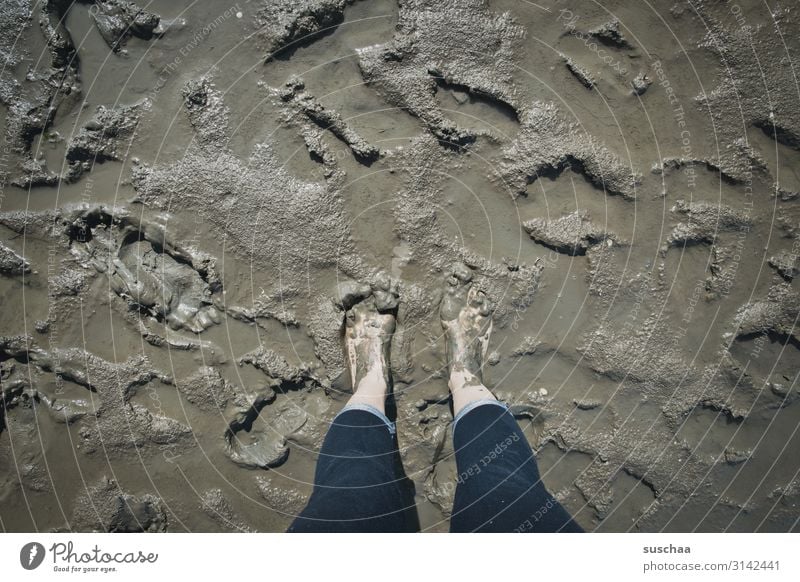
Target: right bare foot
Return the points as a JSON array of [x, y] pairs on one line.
[[368, 335], [466, 319]]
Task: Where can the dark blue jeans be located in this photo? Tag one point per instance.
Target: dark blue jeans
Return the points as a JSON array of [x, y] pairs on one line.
[[359, 485]]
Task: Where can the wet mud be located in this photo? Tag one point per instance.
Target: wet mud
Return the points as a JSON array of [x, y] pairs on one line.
[[193, 194]]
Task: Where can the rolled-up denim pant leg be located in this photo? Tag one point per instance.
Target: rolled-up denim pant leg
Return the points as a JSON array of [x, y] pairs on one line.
[[499, 488], [357, 487]]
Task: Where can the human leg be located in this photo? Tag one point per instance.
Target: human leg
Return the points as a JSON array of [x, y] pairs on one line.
[[499, 487], [357, 485]]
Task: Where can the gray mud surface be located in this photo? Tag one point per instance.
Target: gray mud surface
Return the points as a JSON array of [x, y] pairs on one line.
[[191, 193]]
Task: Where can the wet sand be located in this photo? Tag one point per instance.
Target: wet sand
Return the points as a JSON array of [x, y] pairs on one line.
[[186, 188]]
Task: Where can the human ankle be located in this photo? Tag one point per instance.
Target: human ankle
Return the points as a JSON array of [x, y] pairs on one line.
[[462, 378], [373, 383]]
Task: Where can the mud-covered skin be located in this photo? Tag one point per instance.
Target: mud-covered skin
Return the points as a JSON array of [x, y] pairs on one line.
[[465, 313], [368, 335]]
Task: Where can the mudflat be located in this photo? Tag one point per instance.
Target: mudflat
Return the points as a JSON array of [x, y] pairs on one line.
[[191, 194]]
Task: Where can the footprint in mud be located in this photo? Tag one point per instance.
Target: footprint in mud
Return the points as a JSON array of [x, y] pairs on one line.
[[166, 288], [154, 274], [257, 442], [248, 446], [257, 438]]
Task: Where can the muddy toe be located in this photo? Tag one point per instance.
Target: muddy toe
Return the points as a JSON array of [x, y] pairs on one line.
[[456, 293], [386, 293]]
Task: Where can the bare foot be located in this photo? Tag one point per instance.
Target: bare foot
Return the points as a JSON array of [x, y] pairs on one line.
[[466, 319], [368, 336]]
